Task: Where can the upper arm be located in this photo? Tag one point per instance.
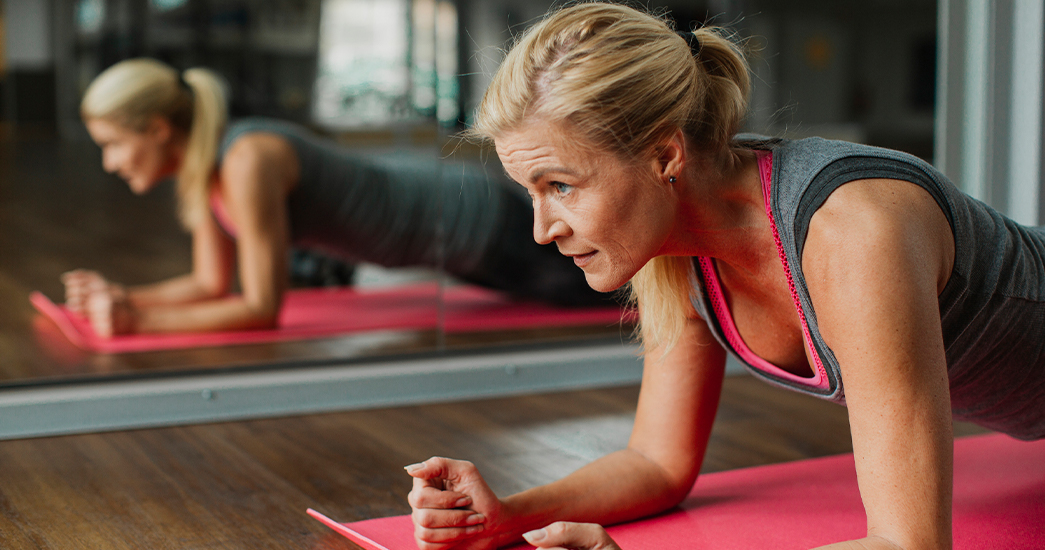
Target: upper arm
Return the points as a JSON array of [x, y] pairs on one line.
[[257, 174], [677, 404], [877, 254], [211, 257]]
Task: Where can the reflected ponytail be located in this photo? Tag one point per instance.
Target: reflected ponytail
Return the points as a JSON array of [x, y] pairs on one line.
[[209, 116]]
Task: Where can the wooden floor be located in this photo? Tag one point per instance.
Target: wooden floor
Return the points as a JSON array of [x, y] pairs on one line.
[[247, 484]]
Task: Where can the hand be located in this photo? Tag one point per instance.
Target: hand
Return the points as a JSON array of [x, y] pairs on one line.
[[110, 312], [79, 285], [452, 506], [564, 535]]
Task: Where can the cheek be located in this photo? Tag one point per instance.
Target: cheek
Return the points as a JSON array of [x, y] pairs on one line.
[[637, 228], [145, 162]]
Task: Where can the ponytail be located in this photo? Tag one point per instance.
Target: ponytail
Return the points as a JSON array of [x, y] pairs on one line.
[[724, 82], [209, 116]]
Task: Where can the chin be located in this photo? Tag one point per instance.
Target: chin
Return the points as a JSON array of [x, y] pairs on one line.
[[141, 187], [603, 284]]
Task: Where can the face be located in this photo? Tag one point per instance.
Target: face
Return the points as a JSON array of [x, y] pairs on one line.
[[610, 216], [142, 159]]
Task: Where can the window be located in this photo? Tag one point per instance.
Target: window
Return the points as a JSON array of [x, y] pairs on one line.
[[386, 62]]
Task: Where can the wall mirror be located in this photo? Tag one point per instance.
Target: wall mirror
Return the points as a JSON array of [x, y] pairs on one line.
[[375, 77]]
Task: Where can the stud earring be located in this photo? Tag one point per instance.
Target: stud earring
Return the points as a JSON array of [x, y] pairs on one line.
[[672, 179]]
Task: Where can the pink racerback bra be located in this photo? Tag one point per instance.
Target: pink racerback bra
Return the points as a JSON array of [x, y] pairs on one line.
[[725, 317]]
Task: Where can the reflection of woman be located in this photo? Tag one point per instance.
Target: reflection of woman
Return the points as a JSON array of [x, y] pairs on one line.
[[816, 262], [247, 192]]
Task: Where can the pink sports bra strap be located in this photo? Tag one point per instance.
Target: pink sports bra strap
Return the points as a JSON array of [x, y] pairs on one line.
[[725, 318]]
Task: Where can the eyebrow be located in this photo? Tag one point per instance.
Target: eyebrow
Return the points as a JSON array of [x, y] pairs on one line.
[[534, 177]]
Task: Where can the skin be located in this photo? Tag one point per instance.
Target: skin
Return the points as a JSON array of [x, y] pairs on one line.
[[258, 172], [882, 323]]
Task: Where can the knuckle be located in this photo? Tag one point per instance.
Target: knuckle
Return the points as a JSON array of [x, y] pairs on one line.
[[425, 538], [423, 519], [463, 465]]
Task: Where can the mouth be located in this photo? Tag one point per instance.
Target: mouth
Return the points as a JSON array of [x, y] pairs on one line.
[[582, 260]]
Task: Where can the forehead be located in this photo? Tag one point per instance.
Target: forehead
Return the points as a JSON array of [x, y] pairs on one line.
[[539, 145], [100, 127]]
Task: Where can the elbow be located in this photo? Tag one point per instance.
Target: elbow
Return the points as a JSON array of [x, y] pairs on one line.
[[677, 491], [677, 485], [669, 481], [269, 321], [263, 316], [265, 322], [672, 485], [212, 288]]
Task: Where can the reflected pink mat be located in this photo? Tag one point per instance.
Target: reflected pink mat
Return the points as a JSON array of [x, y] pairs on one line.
[[326, 312], [999, 503]]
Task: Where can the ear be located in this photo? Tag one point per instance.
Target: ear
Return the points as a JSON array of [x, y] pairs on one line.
[[670, 156]]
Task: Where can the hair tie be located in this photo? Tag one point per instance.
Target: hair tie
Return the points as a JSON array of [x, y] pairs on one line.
[[183, 84], [694, 43]]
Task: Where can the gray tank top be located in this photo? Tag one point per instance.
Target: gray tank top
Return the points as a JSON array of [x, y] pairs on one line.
[[992, 309], [392, 209]]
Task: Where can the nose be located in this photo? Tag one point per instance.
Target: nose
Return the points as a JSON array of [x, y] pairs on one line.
[[110, 163], [547, 226]]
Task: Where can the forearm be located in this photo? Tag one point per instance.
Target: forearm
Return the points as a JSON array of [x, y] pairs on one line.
[[178, 290], [228, 313], [618, 487]]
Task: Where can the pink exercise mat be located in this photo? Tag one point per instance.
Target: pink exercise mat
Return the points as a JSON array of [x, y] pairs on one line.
[[327, 312], [999, 503]]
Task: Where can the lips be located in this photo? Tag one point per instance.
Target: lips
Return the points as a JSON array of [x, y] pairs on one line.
[[582, 260]]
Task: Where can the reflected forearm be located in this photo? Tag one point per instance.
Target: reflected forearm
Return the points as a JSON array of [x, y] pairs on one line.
[[228, 313], [178, 290]]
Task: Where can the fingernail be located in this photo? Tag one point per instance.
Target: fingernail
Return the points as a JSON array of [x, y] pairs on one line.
[[536, 535], [474, 519], [414, 467], [473, 529], [462, 502]]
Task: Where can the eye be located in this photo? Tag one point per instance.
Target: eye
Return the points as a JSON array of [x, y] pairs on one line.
[[562, 188]]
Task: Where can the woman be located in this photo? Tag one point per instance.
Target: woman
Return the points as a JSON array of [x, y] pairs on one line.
[[815, 262], [249, 191]]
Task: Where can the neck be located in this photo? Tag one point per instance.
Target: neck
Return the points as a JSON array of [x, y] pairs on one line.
[[722, 212]]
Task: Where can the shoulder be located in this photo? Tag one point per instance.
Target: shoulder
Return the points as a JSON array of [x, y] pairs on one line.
[[869, 206], [257, 135], [257, 150], [257, 147], [257, 159], [876, 225]]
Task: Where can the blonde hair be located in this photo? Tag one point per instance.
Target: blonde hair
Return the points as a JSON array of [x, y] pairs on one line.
[[624, 81], [132, 93]]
